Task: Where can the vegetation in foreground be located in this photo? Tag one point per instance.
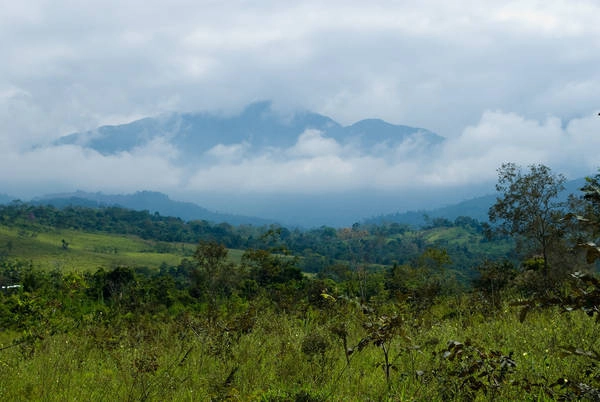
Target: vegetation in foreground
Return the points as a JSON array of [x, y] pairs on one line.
[[212, 328]]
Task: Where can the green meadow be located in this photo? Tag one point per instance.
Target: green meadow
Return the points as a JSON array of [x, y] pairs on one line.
[[88, 251]]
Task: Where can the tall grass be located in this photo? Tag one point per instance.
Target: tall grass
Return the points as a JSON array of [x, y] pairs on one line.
[[186, 358]]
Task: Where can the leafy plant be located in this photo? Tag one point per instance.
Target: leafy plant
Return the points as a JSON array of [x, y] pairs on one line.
[[476, 370], [381, 332], [315, 346]]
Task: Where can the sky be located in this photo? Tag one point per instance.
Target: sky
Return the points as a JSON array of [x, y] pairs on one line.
[[502, 81]]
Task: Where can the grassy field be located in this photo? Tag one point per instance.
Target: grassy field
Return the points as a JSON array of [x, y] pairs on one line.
[[284, 358], [90, 251], [83, 339]]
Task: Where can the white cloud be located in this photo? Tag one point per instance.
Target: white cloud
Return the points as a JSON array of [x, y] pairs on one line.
[[314, 164], [69, 167], [471, 158], [228, 153], [556, 19], [433, 64], [507, 137], [311, 143], [267, 174], [497, 78]]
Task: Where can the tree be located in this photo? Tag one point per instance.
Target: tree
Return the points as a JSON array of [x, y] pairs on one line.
[[493, 277], [586, 211], [267, 268], [591, 194], [528, 207], [214, 274]]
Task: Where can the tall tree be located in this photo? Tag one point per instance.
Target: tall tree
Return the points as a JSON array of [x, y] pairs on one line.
[[214, 273], [528, 206], [586, 210]]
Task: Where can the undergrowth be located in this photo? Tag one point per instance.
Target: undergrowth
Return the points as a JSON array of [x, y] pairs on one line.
[[264, 354]]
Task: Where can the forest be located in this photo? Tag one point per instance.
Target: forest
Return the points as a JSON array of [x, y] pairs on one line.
[[115, 304]]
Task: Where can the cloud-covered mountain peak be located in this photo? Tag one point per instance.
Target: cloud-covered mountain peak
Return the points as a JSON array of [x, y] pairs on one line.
[[377, 131], [258, 125]]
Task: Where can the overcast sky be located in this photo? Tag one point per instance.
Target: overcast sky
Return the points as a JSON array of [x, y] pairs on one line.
[[503, 81]]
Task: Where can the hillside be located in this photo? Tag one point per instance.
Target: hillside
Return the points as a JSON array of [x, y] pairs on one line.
[[81, 293], [85, 251], [147, 201], [101, 293], [41, 229], [476, 208]]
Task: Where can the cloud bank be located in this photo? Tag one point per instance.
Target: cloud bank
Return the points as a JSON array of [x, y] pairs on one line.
[[503, 81], [315, 164], [432, 64]]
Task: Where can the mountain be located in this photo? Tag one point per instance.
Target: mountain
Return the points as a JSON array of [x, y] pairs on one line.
[[150, 201], [195, 142], [375, 131], [476, 208], [331, 210], [258, 125]]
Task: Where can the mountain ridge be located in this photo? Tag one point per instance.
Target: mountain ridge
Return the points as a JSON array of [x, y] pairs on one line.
[[258, 124], [476, 208], [151, 201]]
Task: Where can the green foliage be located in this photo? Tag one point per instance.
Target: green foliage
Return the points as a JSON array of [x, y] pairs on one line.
[[528, 208], [381, 332], [493, 279], [105, 237], [421, 284], [60, 341], [381, 317], [479, 372], [267, 269]]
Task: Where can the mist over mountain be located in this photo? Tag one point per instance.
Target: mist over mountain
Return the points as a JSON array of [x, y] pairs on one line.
[[298, 168], [371, 109], [258, 126], [292, 211], [476, 208], [161, 203]]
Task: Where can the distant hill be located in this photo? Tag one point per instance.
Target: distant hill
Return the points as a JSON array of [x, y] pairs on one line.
[[5, 198], [476, 208], [147, 201], [258, 125]]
